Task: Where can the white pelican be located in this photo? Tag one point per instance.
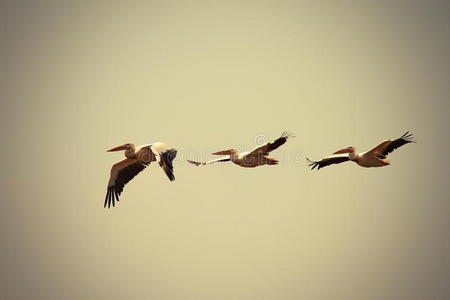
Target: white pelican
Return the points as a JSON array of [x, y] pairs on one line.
[[369, 159], [251, 159], [137, 159]]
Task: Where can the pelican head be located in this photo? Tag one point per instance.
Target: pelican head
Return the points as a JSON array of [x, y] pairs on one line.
[[226, 152], [126, 146], [345, 150]]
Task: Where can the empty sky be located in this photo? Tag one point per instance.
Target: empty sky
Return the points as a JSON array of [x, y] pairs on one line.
[[79, 77]]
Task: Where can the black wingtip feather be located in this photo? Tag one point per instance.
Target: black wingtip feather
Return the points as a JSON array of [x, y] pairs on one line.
[[112, 196], [327, 161], [106, 198], [286, 134], [313, 164], [408, 137]]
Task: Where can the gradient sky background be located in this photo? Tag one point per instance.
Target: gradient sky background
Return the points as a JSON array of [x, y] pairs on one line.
[[79, 77]]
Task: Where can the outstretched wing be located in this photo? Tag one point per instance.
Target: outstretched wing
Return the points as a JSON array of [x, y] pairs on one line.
[[327, 161], [265, 149], [165, 157], [166, 163], [121, 173], [386, 147], [197, 163]]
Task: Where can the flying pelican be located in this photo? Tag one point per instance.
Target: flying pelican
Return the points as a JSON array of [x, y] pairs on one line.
[[251, 159], [137, 159], [369, 159]]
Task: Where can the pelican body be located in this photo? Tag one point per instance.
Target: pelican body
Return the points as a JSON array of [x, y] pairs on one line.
[[136, 160], [371, 159], [250, 159]]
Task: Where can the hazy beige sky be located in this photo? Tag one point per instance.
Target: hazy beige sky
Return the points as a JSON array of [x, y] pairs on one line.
[[81, 77]]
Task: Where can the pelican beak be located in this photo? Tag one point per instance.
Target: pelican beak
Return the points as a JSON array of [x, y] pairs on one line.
[[119, 148], [345, 150], [224, 152]]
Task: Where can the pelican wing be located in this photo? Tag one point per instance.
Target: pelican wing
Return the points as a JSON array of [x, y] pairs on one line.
[[327, 161], [197, 163], [121, 173], [265, 149], [165, 157], [386, 147]]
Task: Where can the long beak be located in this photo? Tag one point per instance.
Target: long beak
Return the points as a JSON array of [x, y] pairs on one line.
[[345, 150], [224, 152], [116, 149]]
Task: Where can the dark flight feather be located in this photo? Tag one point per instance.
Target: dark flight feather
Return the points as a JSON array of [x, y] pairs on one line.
[[327, 161], [123, 177], [166, 163], [403, 140]]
